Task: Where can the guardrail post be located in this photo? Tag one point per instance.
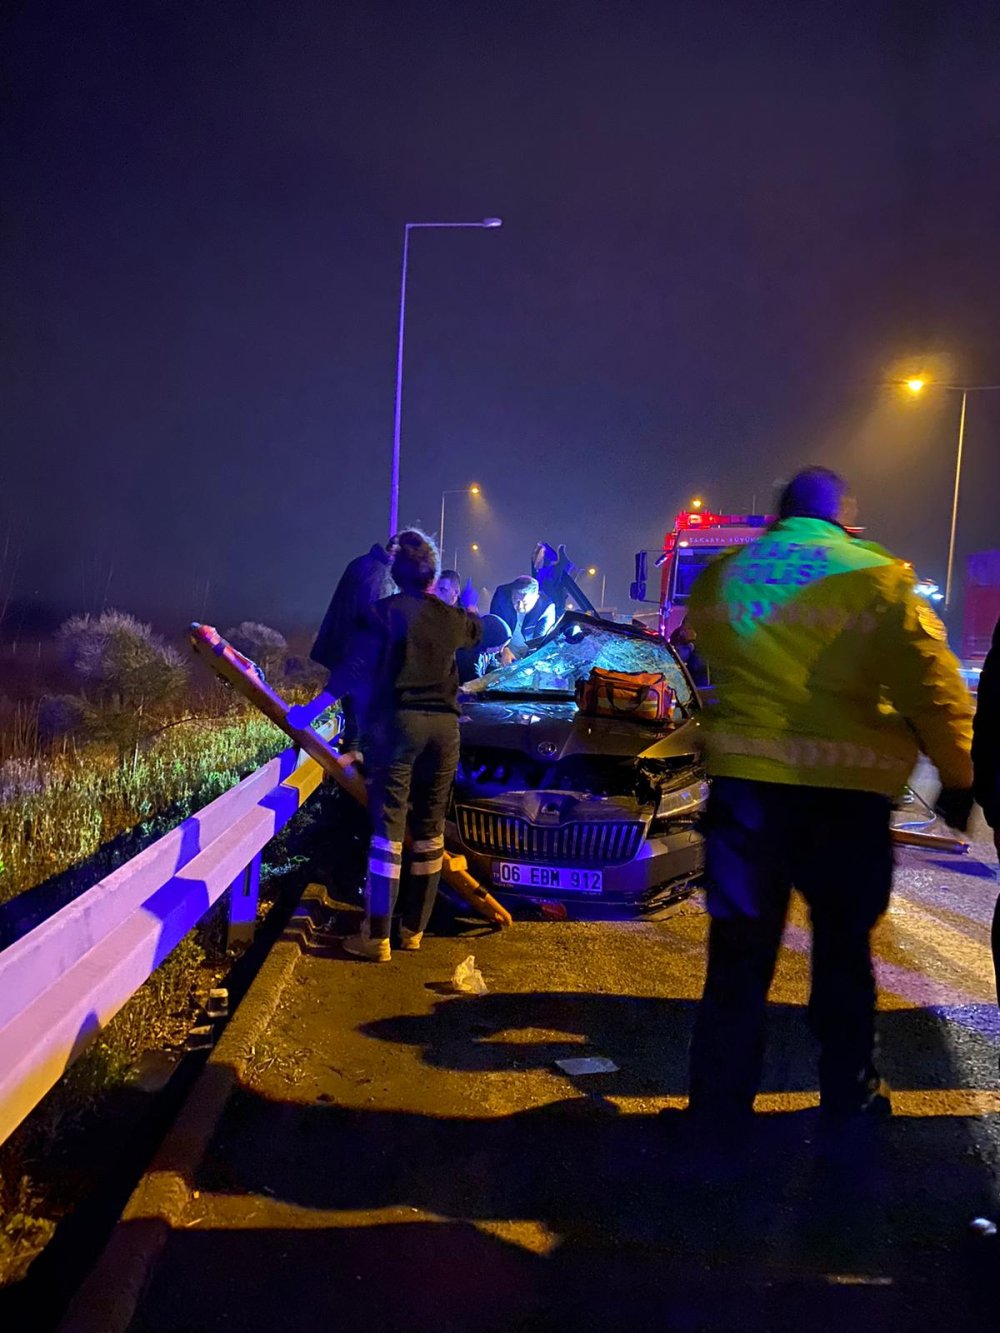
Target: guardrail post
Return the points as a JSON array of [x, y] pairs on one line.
[[243, 894]]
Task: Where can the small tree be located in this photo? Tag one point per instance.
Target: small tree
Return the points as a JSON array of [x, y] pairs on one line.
[[129, 678], [262, 644]]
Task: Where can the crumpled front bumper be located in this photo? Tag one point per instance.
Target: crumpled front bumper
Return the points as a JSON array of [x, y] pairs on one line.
[[663, 858]]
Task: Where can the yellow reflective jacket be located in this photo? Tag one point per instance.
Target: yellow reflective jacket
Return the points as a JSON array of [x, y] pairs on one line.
[[830, 670]]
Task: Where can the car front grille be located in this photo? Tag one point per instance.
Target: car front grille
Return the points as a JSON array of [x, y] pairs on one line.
[[590, 843]]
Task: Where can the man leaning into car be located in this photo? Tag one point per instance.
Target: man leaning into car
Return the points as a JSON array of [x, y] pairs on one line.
[[831, 672], [530, 615]]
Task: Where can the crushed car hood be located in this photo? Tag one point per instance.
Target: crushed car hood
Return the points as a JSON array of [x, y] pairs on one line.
[[548, 732]]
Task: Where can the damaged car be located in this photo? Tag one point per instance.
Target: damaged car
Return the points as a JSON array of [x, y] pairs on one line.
[[554, 803]]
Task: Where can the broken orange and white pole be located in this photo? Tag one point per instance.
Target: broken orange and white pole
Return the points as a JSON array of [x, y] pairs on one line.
[[294, 720], [937, 841]]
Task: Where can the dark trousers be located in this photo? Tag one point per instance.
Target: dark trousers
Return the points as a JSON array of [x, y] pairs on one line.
[[834, 847], [412, 758], [353, 706], [350, 733]]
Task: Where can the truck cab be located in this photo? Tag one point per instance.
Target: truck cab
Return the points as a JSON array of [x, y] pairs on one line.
[[698, 535]]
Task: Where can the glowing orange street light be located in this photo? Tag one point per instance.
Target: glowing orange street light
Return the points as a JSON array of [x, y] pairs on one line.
[[475, 546], [466, 490], [916, 384]]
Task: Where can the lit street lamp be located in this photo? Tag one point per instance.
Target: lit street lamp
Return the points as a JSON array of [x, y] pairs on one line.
[[412, 226], [466, 490], [916, 385], [592, 574]]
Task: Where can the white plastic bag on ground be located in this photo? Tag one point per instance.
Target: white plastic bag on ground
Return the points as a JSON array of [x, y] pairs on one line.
[[467, 978], [589, 1064]]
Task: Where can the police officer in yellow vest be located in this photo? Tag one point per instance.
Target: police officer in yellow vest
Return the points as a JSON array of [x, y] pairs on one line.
[[831, 675]]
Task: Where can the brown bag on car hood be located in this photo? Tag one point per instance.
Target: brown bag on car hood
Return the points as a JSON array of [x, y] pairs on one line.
[[639, 696]]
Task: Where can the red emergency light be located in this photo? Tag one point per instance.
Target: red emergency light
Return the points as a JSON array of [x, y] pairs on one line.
[[741, 528], [706, 519]]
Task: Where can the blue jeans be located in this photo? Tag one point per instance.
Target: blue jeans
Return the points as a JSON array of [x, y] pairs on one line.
[[834, 846]]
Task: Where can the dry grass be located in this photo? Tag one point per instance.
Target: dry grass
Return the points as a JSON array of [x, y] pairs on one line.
[[57, 809], [52, 1159]]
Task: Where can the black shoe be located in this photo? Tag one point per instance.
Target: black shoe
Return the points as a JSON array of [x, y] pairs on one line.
[[851, 1140], [870, 1100]]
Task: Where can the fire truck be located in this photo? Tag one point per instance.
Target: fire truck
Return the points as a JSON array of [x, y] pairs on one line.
[[698, 535], [982, 603]]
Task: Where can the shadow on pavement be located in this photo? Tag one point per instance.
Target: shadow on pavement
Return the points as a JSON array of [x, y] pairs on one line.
[[576, 1215], [649, 1038]]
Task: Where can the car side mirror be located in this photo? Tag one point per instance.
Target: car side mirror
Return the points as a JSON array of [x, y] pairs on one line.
[[637, 591]]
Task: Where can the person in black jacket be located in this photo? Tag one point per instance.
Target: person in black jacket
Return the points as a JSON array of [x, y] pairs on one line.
[[406, 651], [522, 607], [362, 583], [986, 763]]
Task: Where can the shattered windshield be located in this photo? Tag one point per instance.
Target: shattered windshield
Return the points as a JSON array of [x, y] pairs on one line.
[[576, 647]]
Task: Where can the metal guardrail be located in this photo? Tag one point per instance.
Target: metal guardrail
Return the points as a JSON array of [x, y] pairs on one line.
[[62, 982]]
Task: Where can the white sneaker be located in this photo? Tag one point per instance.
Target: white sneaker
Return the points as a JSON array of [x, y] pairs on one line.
[[363, 946], [410, 939]]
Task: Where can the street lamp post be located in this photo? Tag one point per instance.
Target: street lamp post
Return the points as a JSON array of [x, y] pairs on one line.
[[917, 385], [465, 490], [412, 226], [954, 502], [592, 572]]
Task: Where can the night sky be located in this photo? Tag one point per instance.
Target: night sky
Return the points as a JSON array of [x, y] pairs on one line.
[[725, 226]]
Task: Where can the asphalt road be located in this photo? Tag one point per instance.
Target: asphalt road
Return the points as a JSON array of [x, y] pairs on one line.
[[400, 1157]]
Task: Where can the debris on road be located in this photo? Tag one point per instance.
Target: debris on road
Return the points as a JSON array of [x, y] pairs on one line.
[[467, 978], [588, 1064], [200, 1038]]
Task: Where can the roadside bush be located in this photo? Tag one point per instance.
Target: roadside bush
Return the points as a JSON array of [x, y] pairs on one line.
[[129, 678], [60, 715], [262, 644], [119, 659]]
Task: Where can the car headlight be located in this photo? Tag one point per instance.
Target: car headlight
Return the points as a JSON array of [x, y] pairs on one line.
[[681, 802]]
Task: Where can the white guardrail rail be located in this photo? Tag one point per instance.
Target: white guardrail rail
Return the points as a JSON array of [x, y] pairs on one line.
[[62, 982]]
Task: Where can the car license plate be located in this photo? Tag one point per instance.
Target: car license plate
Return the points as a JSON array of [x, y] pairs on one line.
[[553, 878]]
